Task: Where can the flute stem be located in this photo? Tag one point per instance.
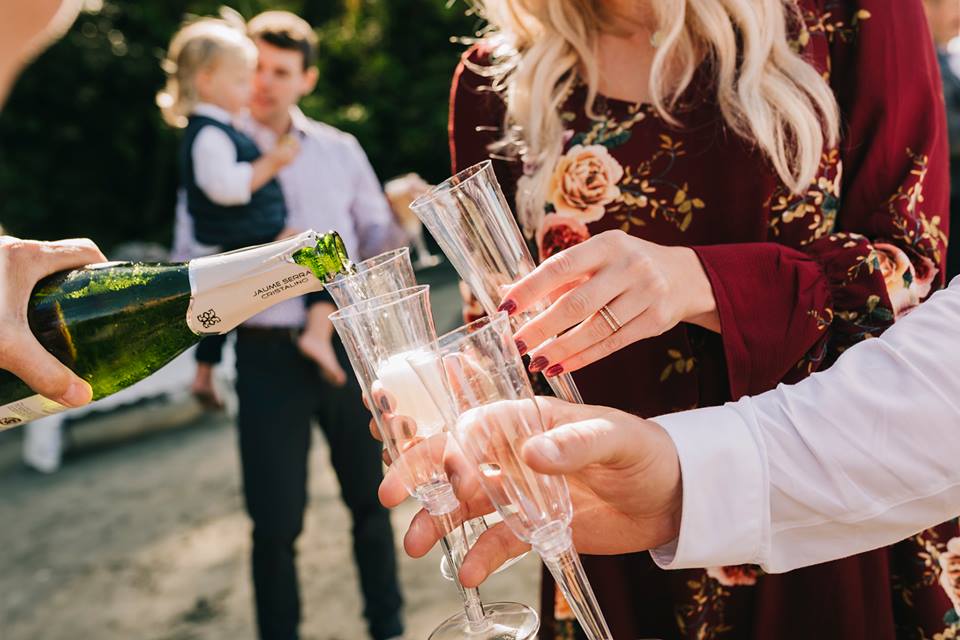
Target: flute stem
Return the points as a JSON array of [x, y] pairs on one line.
[[447, 517], [562, 560]]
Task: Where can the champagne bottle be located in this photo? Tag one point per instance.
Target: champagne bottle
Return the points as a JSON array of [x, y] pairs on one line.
[[116, 323]]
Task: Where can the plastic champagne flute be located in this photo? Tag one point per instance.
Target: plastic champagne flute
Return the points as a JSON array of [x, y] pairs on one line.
[[469, 217], [390, 340], [385, 273], [489, 391]]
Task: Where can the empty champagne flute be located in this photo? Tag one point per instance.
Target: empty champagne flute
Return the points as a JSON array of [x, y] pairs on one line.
[[385, 273], [469, 218], [385, 337], [489, 390]]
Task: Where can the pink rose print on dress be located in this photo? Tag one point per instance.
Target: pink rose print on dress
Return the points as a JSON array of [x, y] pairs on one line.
[[950, 572], [584, 182], [743, 575], [906, 285], [558, 233]]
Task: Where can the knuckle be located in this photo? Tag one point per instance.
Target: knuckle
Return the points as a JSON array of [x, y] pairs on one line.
[[612, 238], [580, 439], [598, 330], [17, 249], [643, 263], [576, 306], [659, 318], [659, 284], [614, 343], [560, 264]]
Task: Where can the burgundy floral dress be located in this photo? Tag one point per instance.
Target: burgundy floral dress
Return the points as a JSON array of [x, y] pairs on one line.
[[797, 279]]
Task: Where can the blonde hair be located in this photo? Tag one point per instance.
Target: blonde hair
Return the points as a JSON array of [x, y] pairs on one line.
[[768, 94], [197, 46]]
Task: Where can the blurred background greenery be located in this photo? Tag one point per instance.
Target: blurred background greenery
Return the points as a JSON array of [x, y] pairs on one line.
[[83, 151]]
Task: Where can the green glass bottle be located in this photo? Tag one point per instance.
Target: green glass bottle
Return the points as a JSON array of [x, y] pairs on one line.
[[115, 324]]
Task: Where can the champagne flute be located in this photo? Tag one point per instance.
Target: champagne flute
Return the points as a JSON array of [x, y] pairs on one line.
[[385, 273], [385, 337], [469, 217], [488, 389]]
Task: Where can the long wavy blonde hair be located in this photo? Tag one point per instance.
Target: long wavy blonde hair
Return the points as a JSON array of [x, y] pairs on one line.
[[768, 94]]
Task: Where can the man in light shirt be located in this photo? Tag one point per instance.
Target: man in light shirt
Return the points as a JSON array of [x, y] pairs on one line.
[[854, 458], [283, 383]]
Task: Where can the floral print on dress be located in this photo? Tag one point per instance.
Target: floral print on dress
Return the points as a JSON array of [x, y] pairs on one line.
[[949, 561], [904, 287], [798, 279], [743, 575], [557, 233], [584, 182]]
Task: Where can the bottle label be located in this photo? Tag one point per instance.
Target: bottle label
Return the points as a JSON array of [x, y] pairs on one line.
[[30, 408], [229, 288]]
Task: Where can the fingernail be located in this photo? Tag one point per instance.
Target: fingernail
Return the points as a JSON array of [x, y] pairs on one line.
[[408, 428], [384, 404], [547, 448], [521, 347], [555, 370], [538, 364], [508, 305], [78, 393]]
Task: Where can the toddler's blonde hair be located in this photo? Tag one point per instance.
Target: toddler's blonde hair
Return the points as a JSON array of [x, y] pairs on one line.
[[199, 45]]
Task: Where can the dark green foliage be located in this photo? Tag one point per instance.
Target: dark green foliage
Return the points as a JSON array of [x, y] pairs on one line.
[[84, 152]]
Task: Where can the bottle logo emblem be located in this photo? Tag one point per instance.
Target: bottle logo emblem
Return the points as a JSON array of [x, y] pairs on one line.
[[208, 318]]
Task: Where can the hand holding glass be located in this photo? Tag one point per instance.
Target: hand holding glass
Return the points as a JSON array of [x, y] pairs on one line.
[[386, 337], [489, 390]]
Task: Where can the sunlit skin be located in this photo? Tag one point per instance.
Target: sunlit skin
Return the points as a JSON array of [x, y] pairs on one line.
[[279, 84], [26, 29], [944, 18], [227, 83]]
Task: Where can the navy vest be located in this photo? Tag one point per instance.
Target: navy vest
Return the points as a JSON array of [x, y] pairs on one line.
[[230, 227]]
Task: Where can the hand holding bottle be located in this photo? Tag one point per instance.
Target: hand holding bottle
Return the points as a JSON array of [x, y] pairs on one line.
[[89, 317], [22, 264]]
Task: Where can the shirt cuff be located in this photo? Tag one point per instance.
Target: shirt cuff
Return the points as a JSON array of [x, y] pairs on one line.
[[724, 491]]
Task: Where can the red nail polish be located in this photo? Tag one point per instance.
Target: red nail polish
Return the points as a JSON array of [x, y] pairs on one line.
[[555, 370], [521, 346], [538, 364], [508, 305]]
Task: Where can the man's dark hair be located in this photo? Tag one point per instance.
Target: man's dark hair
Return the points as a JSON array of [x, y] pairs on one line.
[[285, 30]]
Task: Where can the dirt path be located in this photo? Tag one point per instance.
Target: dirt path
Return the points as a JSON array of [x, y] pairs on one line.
[[149, 540]]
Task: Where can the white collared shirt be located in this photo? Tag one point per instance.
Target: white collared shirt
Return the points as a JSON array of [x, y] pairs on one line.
[[329, 185], [854, 458], [215, 167]]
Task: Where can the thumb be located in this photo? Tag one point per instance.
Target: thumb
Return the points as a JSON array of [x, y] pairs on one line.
[[43, 373], [571, 447]]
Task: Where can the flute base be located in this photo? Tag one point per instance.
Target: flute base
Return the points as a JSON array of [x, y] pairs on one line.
[[503, 621]]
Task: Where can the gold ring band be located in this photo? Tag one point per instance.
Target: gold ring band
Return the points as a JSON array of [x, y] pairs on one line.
[[610, 319]]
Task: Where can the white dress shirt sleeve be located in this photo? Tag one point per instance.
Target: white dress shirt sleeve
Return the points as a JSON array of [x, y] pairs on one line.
[[216, 170], [375, 224], [854, 458]]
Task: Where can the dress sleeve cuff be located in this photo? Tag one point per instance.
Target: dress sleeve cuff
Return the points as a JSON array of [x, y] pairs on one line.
[[724, 491]]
